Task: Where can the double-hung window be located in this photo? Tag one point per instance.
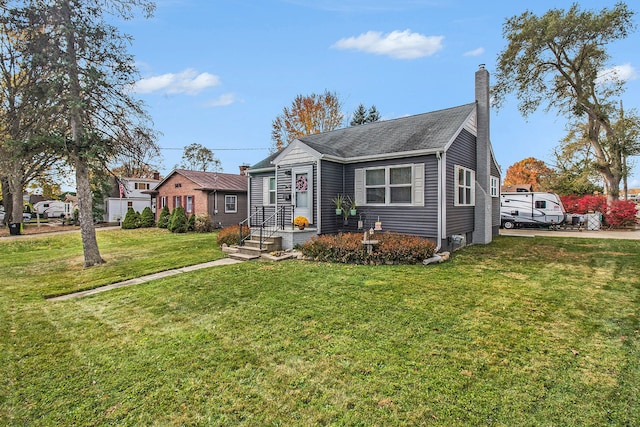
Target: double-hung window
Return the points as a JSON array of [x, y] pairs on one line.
[[390, 185], [495, 186], [464, 186], [230, 204], [188, 204]]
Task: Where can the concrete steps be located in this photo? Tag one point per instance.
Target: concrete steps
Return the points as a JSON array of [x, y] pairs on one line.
[[251, 248]]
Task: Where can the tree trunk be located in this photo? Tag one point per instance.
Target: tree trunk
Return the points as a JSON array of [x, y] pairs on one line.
[[85, 209], [7, 199], [16, 185]]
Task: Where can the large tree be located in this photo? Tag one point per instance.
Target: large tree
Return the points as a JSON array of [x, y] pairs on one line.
[[559, 59], [26, 116], [307, 115], [200, 158], [362, 116], [92, 74]]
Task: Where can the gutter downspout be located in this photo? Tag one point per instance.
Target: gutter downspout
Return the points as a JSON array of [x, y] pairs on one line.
[[440, 206]]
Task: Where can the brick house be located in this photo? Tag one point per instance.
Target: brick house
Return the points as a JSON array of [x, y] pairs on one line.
[[222, 196]]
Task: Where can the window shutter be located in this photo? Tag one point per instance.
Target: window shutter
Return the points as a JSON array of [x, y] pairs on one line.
[[358, 185], [418, 184], [193, 204], [265, 190]]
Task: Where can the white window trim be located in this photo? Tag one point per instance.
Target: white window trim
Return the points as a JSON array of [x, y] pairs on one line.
[[458, 186], [495, 186], [267, 191], [235, 203], [188, 204], [416, 185]]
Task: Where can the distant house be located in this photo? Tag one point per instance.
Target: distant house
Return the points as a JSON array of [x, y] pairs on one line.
[[128, 193], [222, 196], [432, 175]]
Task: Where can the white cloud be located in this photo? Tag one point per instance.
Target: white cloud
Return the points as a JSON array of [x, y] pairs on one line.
[[223, 100], [397, 44], [476, 52], [189, 82], [623, 73]]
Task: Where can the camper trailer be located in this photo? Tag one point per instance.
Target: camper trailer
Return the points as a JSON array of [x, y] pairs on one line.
[[531, 209], [50, 209]]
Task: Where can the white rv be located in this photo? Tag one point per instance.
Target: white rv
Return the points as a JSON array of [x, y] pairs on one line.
[[531, 209], [50, 208]]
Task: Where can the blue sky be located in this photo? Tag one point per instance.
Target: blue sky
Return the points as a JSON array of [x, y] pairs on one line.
[[218, 72]]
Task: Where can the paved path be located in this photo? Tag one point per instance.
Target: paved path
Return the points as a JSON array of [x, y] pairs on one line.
[[143, 279], [593, 234]]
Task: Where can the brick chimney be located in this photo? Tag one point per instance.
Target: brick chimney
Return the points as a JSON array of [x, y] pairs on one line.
[[482, 233], [243, 169]]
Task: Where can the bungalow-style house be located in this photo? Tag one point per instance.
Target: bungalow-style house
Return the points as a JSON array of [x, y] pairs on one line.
[[129, 193], [432, 175], [222, 196]]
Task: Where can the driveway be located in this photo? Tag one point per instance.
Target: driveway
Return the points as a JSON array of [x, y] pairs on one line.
[[594, 234]]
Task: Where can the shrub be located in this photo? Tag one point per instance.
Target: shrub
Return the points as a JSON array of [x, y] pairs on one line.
[[203, 224], [231, 235], [621, 213], [191, 223], [348, 248], [146, 218], [178, 222], [163, 220], [131, 220]]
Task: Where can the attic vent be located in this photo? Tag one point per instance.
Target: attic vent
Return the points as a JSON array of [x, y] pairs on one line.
[[178, 185]]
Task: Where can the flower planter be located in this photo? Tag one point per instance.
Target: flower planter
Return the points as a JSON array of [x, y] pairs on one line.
[[338, 211]]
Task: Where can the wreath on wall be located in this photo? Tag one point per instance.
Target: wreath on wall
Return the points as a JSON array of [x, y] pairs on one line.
[[301, 183]]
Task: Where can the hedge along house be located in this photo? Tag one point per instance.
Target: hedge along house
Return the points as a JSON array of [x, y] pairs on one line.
[[432, 175], [222, 196]]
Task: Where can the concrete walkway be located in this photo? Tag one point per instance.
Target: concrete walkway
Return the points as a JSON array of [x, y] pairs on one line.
[[143, 279]]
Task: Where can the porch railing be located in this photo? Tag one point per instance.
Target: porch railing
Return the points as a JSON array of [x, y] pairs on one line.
[[258, 224]]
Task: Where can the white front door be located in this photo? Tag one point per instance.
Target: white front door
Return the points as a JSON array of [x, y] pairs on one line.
[[303, 192]]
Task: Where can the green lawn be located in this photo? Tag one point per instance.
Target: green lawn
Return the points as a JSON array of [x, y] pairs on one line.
[[523, 331]]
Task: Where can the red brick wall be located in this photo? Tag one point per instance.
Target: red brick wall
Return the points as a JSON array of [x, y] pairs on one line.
[[178, 185]]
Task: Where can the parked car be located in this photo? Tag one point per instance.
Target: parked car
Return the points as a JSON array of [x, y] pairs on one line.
[[26, 216]]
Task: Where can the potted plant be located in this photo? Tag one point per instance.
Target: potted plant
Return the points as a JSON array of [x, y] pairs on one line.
[[301, 222], [353, 206], [338, 201]]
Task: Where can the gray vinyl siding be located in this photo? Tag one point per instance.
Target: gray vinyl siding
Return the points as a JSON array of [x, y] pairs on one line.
[[460, 219], [415, 220], [332, 181], [256, 196]]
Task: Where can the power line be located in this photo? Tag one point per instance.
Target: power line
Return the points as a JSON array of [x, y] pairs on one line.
[[219, 149]]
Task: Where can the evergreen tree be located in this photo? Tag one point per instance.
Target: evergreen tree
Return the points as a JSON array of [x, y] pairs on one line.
[[163, 220], [192, 222], [146, 218], [373, 115], [131, 220], [178, 222], [359, 116]]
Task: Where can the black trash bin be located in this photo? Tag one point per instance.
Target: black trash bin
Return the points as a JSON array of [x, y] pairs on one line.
[[14, 228]]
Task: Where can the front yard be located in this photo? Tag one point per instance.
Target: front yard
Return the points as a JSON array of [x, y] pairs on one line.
[[524, 331]]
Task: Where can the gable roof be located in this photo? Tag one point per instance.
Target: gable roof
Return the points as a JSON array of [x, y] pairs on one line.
[[423, 132], [210, 181]]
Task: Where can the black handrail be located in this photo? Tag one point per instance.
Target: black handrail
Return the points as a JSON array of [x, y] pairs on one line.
[[266, 226]]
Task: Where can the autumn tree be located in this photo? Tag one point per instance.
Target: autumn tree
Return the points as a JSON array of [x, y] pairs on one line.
[[200, 158], [560, 59], [528, 171], [92, 74], [307, 115]]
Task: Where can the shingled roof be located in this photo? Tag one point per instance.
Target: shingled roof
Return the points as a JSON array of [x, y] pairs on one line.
[[210, 181], [422, 132]]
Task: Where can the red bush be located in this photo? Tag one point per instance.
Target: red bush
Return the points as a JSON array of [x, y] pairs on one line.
[[348, 248], [231, 235], [621, 213]]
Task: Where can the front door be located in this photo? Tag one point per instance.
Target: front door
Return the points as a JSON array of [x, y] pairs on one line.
[[303, 192]]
